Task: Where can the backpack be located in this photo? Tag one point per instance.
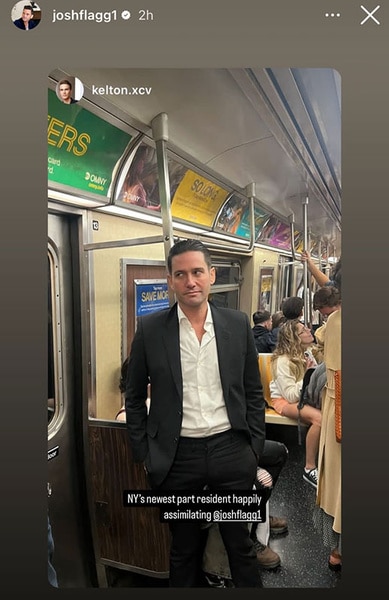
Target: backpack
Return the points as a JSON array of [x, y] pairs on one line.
[[314, 381]]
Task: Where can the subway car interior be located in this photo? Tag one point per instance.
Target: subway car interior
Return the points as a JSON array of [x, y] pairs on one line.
[[246, 160]]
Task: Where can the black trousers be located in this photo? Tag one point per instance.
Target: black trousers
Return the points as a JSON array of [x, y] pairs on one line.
[[224, 461], [273, 458]]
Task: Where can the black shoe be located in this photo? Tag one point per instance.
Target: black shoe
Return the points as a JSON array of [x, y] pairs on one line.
[[278, 525], [215, 581], [311, 477]]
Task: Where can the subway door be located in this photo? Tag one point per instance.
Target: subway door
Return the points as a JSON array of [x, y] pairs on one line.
[[66, 496]]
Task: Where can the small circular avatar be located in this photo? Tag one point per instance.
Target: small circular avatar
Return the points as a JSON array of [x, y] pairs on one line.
[[26, 16], [69, 90]]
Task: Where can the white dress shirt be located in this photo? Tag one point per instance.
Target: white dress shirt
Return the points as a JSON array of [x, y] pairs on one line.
[[204, 409]]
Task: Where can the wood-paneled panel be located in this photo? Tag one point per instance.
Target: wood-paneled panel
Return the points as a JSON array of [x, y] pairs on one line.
[[131, 536]]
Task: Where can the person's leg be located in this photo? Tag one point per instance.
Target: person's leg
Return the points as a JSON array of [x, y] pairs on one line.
[[312, 446], [186, 554], [261, 531], [285, 408], [215, 560], [188, 538], [273, 458], [232, 465], [264, 484], [312, 417]]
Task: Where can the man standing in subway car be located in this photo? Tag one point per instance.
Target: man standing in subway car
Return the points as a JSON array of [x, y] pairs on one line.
[[205, 425]]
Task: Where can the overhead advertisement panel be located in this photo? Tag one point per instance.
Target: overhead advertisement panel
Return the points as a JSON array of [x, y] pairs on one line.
[[276, 234], [235, 218], [138, 183], [83, 149], [197, 200], [298, 241]]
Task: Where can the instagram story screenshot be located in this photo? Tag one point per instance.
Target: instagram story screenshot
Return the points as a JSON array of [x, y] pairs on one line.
[[172, 294]]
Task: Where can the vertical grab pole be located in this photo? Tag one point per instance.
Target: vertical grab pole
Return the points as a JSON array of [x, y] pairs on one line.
[[160, 134], [292, 244], [250, 192], [320, 255], [307, 295]]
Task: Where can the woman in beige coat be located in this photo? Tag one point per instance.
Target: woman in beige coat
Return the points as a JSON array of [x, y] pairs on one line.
[[327, 514]]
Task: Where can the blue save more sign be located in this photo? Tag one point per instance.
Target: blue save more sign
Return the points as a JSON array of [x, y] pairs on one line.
[[150, 296]]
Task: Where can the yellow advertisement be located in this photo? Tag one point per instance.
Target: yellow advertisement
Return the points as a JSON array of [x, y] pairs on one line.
[[197, 200]]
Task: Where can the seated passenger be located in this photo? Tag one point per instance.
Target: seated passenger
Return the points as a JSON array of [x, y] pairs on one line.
[[291, 358], [292, 307], [276, 320], [121, 414], [262, 331]]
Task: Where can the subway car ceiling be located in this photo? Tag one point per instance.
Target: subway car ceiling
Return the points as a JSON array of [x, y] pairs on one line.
[[274, 134]]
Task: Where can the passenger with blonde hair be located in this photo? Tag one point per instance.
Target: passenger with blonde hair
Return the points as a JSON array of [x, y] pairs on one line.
[[291, 358]]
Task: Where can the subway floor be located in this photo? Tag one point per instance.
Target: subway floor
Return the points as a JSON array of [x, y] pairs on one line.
[[304, 558]]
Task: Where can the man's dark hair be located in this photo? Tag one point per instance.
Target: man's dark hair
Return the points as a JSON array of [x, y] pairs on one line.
[[336, 277], [261, 316], [292, 307], [28, 7], [277, 318], [188, 246], [66, 81], [326, 296]]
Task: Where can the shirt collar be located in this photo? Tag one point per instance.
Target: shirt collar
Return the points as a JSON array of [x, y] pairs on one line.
[[208, 318]]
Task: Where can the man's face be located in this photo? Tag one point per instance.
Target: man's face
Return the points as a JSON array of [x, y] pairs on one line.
[[326, 311], [26, 15], [191, 279], [65, 91], [267, 324]]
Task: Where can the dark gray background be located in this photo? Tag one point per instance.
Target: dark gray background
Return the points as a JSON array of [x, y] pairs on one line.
[[213, 33]]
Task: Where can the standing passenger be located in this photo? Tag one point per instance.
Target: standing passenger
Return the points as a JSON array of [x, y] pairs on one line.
[[326, 300], [327, 515], [292, 307], [206, 423], [319, 276]]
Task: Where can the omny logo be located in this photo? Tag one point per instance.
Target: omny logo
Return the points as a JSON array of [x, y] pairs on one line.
[[53, 452], [95, 181]]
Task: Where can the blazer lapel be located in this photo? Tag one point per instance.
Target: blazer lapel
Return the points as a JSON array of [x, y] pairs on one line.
[[171, 339], [223, 343]]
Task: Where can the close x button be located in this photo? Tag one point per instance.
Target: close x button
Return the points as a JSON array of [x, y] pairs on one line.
[[370, 15]]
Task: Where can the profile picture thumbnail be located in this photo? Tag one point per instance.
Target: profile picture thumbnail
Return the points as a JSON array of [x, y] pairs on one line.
[[26, 15], [69, 90]]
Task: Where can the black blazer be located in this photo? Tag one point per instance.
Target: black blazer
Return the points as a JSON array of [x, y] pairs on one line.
[[155, 353], [20, 24]]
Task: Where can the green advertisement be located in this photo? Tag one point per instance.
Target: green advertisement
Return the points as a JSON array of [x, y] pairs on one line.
[[83, 149]]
